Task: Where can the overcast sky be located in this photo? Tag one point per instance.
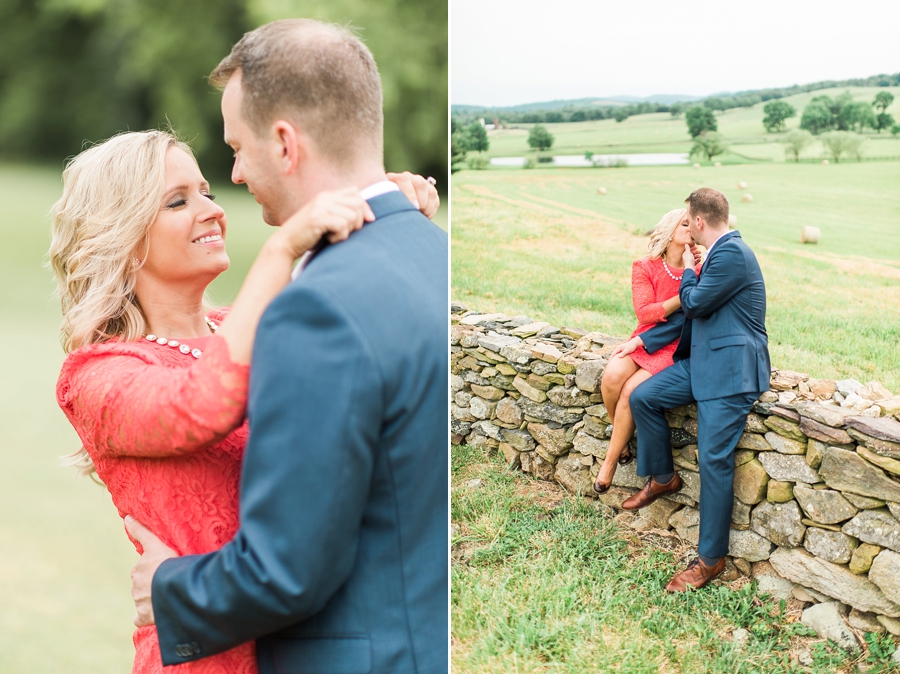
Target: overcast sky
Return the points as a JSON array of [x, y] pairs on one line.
[[507, 52]]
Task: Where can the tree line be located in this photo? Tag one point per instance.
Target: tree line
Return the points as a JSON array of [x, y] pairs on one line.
[[742, 99], [77, 71]]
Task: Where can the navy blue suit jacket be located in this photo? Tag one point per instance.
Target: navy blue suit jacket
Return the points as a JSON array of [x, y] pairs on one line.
[[722, 323], [340, 564]]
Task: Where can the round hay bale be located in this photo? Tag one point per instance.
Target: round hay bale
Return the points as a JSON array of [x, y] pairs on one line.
[[747, 198], [732, 220], [696, 165], [718, 164], [809, 234], [601, 191], [742, 185], [824, 162]]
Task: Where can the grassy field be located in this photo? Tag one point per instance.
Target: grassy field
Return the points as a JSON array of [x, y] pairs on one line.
[[544, 582], [65, 604], [660, 132], [542, 242]]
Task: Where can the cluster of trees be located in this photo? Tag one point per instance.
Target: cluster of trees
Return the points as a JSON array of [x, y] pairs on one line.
[[73, 71], [843, 113], [777, 112], [465, 139]]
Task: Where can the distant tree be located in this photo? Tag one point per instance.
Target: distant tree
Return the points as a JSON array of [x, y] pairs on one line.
[[676, 109], [777, 113], [854, 145], [796, 141], [882, 100], [539, 138], [621, 115], [708, 144], [895, 129], [700, 119], [478, 162], [856, 115], [838, 142], [817, 117], [476, 138], [457, 152], [578, 116], [883, 120], [588, 154], [554, 117]]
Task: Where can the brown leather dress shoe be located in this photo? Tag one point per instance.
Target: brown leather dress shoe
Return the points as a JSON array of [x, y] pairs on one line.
[[695, 576], [652, 491]]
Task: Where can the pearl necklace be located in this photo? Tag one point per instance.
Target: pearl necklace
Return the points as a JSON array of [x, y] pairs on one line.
[[671, 275], [175, 344]]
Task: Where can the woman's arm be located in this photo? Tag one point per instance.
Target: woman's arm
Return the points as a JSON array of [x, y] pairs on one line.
[[123, 402], [643, 295]]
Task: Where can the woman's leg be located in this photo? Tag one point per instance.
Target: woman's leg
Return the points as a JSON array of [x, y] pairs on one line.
[[623, 429], [617, 372]]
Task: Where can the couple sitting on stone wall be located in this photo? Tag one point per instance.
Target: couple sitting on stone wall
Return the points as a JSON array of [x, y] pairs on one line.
[[701, 337]]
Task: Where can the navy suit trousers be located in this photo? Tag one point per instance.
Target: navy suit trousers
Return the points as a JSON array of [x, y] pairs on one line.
[[721, 422]]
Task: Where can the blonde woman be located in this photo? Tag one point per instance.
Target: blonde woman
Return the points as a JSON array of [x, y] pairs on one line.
[[155, 383], [655, 280]]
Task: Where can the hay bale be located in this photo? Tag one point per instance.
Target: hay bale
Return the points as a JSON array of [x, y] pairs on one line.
[[696, 165], [742, 185], [718, 164], [747, 198], [732, 220], [824, 162], [809, 234], [601, 191]]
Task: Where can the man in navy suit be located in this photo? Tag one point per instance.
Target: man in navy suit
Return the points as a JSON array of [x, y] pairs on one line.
[[340, 564], [722, 363]]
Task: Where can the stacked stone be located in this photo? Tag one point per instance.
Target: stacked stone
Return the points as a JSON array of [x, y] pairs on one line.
[[817, 470]]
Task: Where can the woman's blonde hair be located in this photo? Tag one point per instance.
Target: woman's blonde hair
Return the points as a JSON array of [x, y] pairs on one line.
[[662, 234], [111, 196]]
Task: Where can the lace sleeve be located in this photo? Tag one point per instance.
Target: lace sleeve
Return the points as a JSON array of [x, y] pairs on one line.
[[122, 401], [643, 294]]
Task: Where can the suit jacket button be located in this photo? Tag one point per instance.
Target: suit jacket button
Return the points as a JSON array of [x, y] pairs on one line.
[[195, 648]]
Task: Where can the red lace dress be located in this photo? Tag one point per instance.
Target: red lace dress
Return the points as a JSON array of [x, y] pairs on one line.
[[650, 287], [166, 433]]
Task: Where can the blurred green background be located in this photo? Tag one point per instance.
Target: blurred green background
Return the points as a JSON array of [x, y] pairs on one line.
[[77, 70], [81, 70]]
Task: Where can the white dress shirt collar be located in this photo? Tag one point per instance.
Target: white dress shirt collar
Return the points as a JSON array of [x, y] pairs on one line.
[[370, 192]]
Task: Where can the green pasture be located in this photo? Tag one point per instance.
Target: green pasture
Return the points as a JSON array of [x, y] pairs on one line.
[[65, 604], [741, 128], [544, 243], [545, 582]]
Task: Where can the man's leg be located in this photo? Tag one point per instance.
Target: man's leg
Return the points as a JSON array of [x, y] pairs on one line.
[[667, 389], [721, 423]]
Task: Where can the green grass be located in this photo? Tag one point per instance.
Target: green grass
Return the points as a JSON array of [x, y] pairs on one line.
[[741, 128], [544, 582], [542, 242]]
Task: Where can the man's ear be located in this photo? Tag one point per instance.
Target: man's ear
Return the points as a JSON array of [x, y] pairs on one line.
[[290, 145]]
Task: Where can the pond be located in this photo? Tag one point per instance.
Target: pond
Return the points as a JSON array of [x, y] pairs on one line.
[[603, 160]]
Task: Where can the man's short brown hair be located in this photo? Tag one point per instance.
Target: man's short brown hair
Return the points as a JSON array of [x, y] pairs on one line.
[[318, 75], [709, 203]]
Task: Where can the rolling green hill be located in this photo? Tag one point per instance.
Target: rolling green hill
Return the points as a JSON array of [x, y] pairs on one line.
[[741, 128]]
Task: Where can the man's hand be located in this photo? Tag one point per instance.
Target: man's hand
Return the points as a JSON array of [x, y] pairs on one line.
[[155, 553], [420, 191], [626, 348]]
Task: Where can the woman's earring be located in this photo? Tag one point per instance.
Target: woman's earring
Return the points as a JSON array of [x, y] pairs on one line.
[[135, 262]]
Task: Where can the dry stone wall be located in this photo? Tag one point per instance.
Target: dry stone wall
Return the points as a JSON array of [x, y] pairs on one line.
[[817, 470]]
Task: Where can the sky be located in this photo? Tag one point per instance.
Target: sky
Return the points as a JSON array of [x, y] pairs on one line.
[[508, 52]]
